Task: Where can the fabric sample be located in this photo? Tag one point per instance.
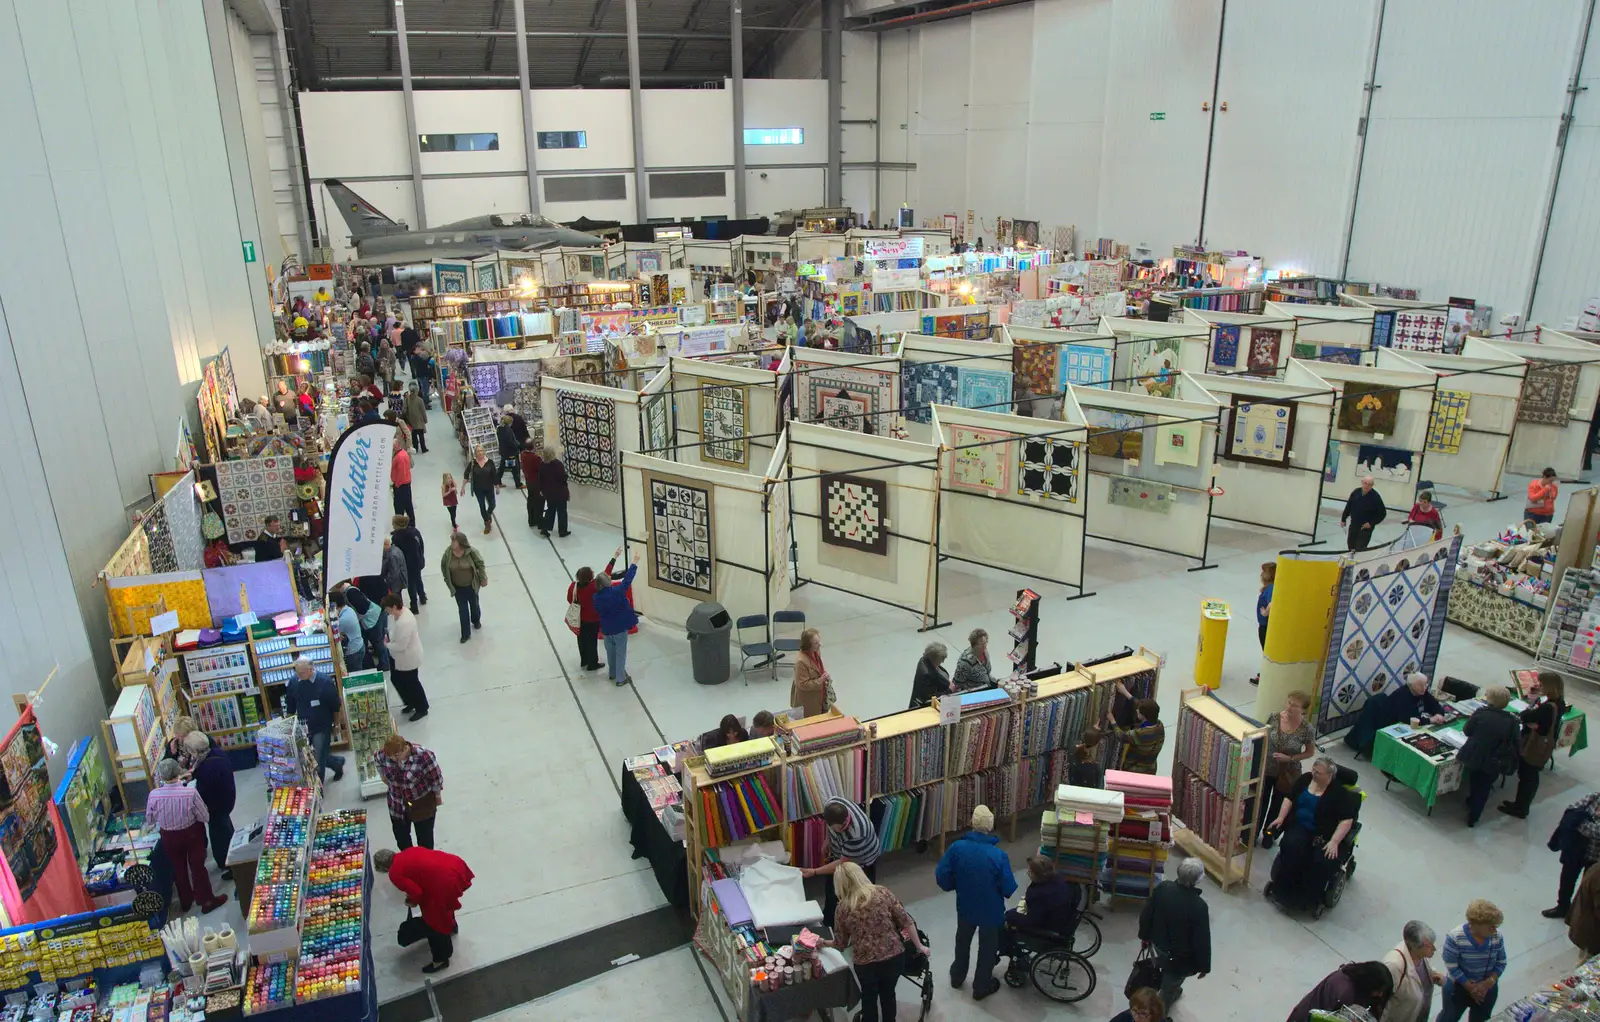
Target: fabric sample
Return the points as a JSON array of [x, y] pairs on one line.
[[1368, 408], [722, 424], [657, 424], [986, 389], [1048, 468], [1262, 431], [1448, 421], [1038, 366], [1141, 494], [1265, 346], [1418, 331], [1084, 365], [927, 383], [681, 558], [588, 433], [1548, 392], [264, 589], [1225, 346], [252, 489], [1390, 463], [1178, 444], [855, 513], [985, 469], [1303, 350]]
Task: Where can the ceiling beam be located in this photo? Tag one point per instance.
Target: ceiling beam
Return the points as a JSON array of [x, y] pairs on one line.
[[494, 25], [583, 54], [764, 57], [689, 23]]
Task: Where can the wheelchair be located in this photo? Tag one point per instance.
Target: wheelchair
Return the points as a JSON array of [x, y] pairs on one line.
[[1333, 890], [1057, 963]]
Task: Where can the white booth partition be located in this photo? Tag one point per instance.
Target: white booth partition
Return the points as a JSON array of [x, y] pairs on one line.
[[1325, 326], [725, 416], [1008, 476], [946, 371], [592, 426], [1558, 402], [1239, 342], [1150, 467], [855, 392], [1474, 413], [1380, 425], [1151, 355], [1274, 440], [1408, 325]]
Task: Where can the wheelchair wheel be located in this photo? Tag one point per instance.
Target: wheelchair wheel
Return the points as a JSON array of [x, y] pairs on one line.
[[1335, 890], [1064, 976], [1086, 940]]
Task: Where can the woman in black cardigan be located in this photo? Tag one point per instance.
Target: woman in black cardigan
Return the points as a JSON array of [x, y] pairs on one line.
[[1315, 819]]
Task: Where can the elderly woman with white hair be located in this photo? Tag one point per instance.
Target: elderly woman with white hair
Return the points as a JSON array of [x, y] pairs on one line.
[[1414, 978], [931, 678], [1176, 921]]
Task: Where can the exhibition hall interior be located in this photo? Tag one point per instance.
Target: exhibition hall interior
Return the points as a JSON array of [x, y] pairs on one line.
[[782, 509]]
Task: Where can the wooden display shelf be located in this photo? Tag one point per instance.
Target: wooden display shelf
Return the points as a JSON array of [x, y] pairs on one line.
[[1238, 816]]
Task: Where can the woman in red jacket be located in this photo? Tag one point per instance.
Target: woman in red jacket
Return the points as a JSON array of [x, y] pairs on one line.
[[581, 592], [434, 881]]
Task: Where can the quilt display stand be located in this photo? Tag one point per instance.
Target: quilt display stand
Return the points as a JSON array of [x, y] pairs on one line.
[[1217, 771]]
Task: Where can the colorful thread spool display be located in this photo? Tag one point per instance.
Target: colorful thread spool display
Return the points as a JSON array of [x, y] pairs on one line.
[[269, 986], [330, 938]]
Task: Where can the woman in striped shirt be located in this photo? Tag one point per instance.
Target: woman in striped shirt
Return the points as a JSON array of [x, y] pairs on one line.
[[1474, 959]]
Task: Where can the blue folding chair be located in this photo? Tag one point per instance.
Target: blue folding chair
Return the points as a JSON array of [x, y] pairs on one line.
[[761, 649], [787, 640]]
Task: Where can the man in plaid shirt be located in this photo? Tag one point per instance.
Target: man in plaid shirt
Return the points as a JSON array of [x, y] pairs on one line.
[[414, 780]]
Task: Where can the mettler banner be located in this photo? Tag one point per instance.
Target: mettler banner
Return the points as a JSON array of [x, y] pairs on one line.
[[358, 504]]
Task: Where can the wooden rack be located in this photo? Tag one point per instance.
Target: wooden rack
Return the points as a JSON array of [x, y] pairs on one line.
[[1239, 795]]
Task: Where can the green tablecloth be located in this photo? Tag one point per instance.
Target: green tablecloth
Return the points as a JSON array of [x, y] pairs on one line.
[[1431, 777]]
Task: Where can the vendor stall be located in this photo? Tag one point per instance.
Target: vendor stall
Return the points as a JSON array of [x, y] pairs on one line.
[[1504, 585], [650, 791]]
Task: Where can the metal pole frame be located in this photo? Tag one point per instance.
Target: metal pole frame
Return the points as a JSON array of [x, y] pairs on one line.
[[634, 103], [832, 69], [530, 139], [736, 84], [413, 143]]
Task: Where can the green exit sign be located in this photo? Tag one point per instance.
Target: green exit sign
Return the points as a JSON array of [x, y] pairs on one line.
[[249, 251], [1158, 115]]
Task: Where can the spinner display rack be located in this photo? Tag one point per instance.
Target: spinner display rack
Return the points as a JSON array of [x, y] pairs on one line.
[[1217, 769], [1024, 633], [223, 693]]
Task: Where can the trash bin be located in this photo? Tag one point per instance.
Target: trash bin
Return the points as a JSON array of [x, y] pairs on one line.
[[708, 628]]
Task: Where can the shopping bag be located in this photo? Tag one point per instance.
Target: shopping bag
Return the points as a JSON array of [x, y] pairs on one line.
[[412, 930], [574, 617], [1146, 972]]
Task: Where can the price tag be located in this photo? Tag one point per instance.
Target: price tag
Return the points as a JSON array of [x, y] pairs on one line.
[[163, 623], [950, 710], [246, 619]]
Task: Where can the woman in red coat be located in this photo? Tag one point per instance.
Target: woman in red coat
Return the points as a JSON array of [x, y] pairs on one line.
[[581, 592], [434, 881]]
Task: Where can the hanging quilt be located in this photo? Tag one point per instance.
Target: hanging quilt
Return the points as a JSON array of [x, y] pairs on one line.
[[1262, 431], [1389, 463], [450, 278], [778, 553], [1417, 331], [985, 389], [1303, 350], [855, 513], [722, 424], [1340, 354], [657, 425], [1225, 346], [1382, 329], [1038, 366], [1141, 494], [1548, 392], [1085, 365], [1448, 421], [848, 398], [1265, 346], [588, 438], [681, 558], [253, 489], [1388, 623], [1368, 408], [485, 380], [1048, 468], [927, 383], [183, 524], [487, 279], [1330, 467], [985, 469], [1115, 434], [524, 399], [1178, 444], [1154, 362], [159, 537]]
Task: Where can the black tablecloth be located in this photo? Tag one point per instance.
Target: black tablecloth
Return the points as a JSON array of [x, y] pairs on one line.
[[801, 999], [651, 841]]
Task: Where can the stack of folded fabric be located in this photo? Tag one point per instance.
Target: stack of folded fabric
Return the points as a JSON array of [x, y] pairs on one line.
[[1139, 845], [1086, 816], [1104, 804], [832, 733], [728, 759]]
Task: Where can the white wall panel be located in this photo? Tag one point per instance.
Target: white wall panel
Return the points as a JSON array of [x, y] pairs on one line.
[[900, 80], [787, 103], [687, 127], [1570, 273], [354, 134], [1067, 93], [455, 198], [1163, 60], [1459, 150], [773, 189], [1292, 78], [945, 57], [997, 116], [603, 114], [447, 111]]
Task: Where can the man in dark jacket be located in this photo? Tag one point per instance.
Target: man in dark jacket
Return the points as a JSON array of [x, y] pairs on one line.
[[407, 538], [553, 488], [1490, 750], [213, 779], [506, 437], [1577, 838], [394, 568], [314, 698], [1177, 922], [980, 874], [1362, 513]]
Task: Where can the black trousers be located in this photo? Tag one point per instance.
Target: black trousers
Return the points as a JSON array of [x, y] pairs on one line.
[[402, 501], [220, 830], [419, 439], [1359, 537], [1571, 873], [878, 980], [535, 507], [588, 639], [409, 685], [440, 945], [414, 586], [485, 505], [553, 510], [1527, 784], [830, 900], [402, 832], [510, 462], [452, 509]]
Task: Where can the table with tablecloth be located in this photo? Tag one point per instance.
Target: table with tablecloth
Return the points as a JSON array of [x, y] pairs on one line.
[[1432, 776], [668, 858]]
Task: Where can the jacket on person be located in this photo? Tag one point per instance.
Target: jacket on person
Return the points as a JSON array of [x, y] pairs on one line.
[[583, 596], [394, 569], [553, 480], [508, 442], [433, 879], [611, 604], [314, 700], [531, 463], [1334, 992], [1364, 507], [480, 574], [980, 874], [1403, 705], [1542, 496], [1583, 921], [213, 779], [972, 672], [1177, 921], [931, 680], [808, 691], [405, 642], [1053, 905], [1338, 804], [519, 426], [409, 542], [1490, 732], [485, 477], [416, 413]]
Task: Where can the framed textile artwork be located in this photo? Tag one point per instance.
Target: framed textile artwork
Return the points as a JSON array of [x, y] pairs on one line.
[[1048, 467], [1368, 408], [1303, 350], [450, 278], [1178, 444], [524, 398], [846, 398], [1038, 366], [927, 383], [1389, 463], [657, 424], [1115, 434], [855, 513], [1085, 365], [251, 490], [1141, 494], [158, 535], [1265, 346], [1225, 346], [1154, 363], [1548, 392], [485, 380], [681, 558], [778, 552], [1416, 331], [1448, 421], [985, 469], [1342, 355], [1382, 329], [986, 389], [1262, 431], [722, 424], [183, 524], [487, 277], [588, 431]]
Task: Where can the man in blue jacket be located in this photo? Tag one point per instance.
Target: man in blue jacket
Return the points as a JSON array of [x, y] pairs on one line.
[[980, 874], [314, 698], [616, 618]]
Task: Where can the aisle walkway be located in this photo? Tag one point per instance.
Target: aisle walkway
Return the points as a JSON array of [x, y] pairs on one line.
[[531, 748]]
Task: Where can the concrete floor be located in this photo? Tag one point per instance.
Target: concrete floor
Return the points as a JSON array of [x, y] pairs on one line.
[[531, 746]]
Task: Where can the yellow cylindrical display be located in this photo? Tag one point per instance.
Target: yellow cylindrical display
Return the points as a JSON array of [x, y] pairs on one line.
[[1214, 617], [1297, 638]]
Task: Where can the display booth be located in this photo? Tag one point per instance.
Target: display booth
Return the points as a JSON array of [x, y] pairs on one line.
[[1007, 476], [939, 370], [593, 426], [1149, 473], [723, 416], [1274, 438], [860, 393], [1331, 328], [1558, 401], [1407, 325], [1474, 414], [1380, 426], [866, 515], [1150, 355], [1242, 342], [1047, 361]]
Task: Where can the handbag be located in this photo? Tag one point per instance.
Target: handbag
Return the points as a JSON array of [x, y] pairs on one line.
[[411, 930], [574, 616], [1537, 748], [1146, 972], [424, 808]]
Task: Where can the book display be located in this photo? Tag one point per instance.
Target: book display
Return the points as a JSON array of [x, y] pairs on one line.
[[1024, 633], [366, 707], [1572, 627], [1216, 778]]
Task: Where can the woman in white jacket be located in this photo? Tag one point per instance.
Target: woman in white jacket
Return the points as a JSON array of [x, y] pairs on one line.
[[1414, 978], [405, 648]]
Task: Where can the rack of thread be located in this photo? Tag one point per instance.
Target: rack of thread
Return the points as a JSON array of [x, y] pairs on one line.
[[223, 695], [1216, 779], [1139, 841]]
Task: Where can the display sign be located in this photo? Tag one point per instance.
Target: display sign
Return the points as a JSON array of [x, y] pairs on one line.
[[705, 340], [896, 280], [893, 248], [357, 505]]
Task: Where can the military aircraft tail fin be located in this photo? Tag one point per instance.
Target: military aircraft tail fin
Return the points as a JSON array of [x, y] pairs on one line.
[[362, 217]]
